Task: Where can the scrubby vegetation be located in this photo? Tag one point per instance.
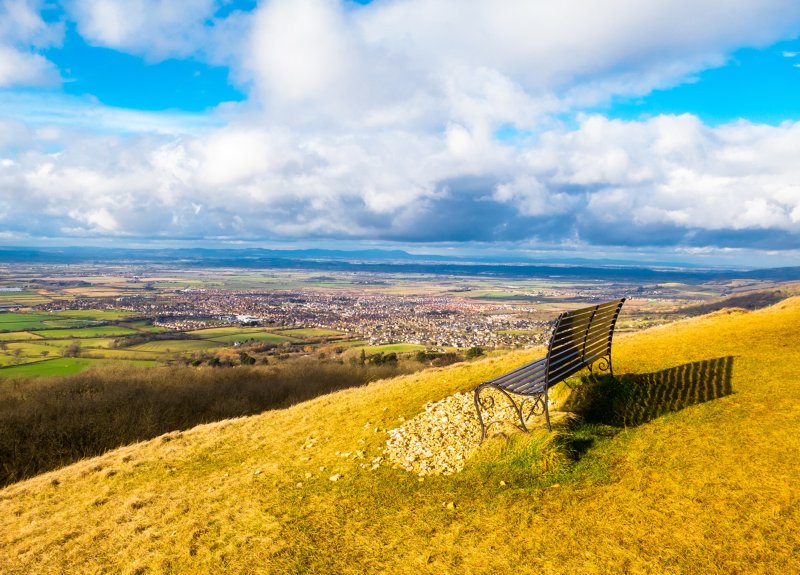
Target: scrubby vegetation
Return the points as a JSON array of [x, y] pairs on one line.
[[751, 300], [143, 338], [48, 423]]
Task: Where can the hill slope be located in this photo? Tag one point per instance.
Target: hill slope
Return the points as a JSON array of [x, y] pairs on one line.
[[710, 489]]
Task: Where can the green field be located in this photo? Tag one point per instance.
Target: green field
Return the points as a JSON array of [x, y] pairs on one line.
[[8, 360], [18, 336], [349, 343], [36, 321], [36, 347], [99, 331], [27, 321], [240, 334], [311, 332], [15, 317], [97, 314], [59, 366], [174, 345], [393, 348], [86, 342], [263, 337], [119, 354], [211, 332], [144, 325], [21, 298]]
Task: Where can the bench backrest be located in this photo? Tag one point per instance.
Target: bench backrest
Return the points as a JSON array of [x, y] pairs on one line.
[[580, 338]]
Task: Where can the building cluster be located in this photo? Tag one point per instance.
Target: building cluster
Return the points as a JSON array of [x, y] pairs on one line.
[[436, 321]]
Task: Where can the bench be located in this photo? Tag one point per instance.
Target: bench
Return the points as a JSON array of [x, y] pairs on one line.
[[580, 338]]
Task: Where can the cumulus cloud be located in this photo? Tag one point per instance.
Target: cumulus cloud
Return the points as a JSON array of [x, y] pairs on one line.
[[667, 180], [21, 23], [157, 29], [420, 64], [22, 33], [20, 68], [480, 61]]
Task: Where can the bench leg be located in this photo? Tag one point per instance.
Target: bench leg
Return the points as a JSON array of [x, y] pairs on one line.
[[480, 417], [547, 410], [536, 405], [488, 403]]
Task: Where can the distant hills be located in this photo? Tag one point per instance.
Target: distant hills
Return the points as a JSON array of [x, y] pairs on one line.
[[384, 261]]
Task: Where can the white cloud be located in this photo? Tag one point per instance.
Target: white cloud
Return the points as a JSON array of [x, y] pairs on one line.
[[98, 220], [19, 68], [621, 45], [301, 49], [22, 32], [421, 65], [234, 155], [22, 23], [318, 65], [668, 180], [157, 29], [532, 198], [735, 177]]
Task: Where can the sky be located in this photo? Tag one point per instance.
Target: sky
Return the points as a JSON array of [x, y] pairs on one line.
[[666, 130]]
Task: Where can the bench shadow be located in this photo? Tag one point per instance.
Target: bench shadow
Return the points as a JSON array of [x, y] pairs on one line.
[[633, 399]]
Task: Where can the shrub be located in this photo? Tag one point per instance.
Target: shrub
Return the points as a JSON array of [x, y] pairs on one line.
[[473, 352], [47, 423]]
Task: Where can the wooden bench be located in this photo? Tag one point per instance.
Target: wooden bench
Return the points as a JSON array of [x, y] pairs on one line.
[[580, 338]]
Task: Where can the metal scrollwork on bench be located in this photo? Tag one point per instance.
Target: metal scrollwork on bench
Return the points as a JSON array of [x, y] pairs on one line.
[[580, 339], [487, 404], [536, 406], [602, 364]]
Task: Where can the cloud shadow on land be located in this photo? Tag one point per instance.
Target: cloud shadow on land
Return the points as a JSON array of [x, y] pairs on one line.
[[633, 399]]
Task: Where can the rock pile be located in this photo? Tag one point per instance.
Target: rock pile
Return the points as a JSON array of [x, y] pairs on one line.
[[441, 438]]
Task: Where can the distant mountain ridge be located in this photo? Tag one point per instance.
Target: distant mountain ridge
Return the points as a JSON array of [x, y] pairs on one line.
[[383, 261]]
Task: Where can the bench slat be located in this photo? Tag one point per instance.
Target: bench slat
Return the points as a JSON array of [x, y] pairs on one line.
[[575, 355], [588, 310], [530, 388], [562, 370], [588, 336], [582, 317], [513, 377], [591, 340], [567, 328]]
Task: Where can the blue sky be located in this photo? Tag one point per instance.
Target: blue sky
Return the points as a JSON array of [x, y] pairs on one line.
[[664, 129], [124, 80], [759, 85]]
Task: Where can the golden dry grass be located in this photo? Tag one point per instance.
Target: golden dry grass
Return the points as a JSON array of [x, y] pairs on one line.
[[709, 489]]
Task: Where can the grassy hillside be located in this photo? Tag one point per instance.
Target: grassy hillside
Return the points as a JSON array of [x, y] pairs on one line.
[[751, 299], [708, 489]]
